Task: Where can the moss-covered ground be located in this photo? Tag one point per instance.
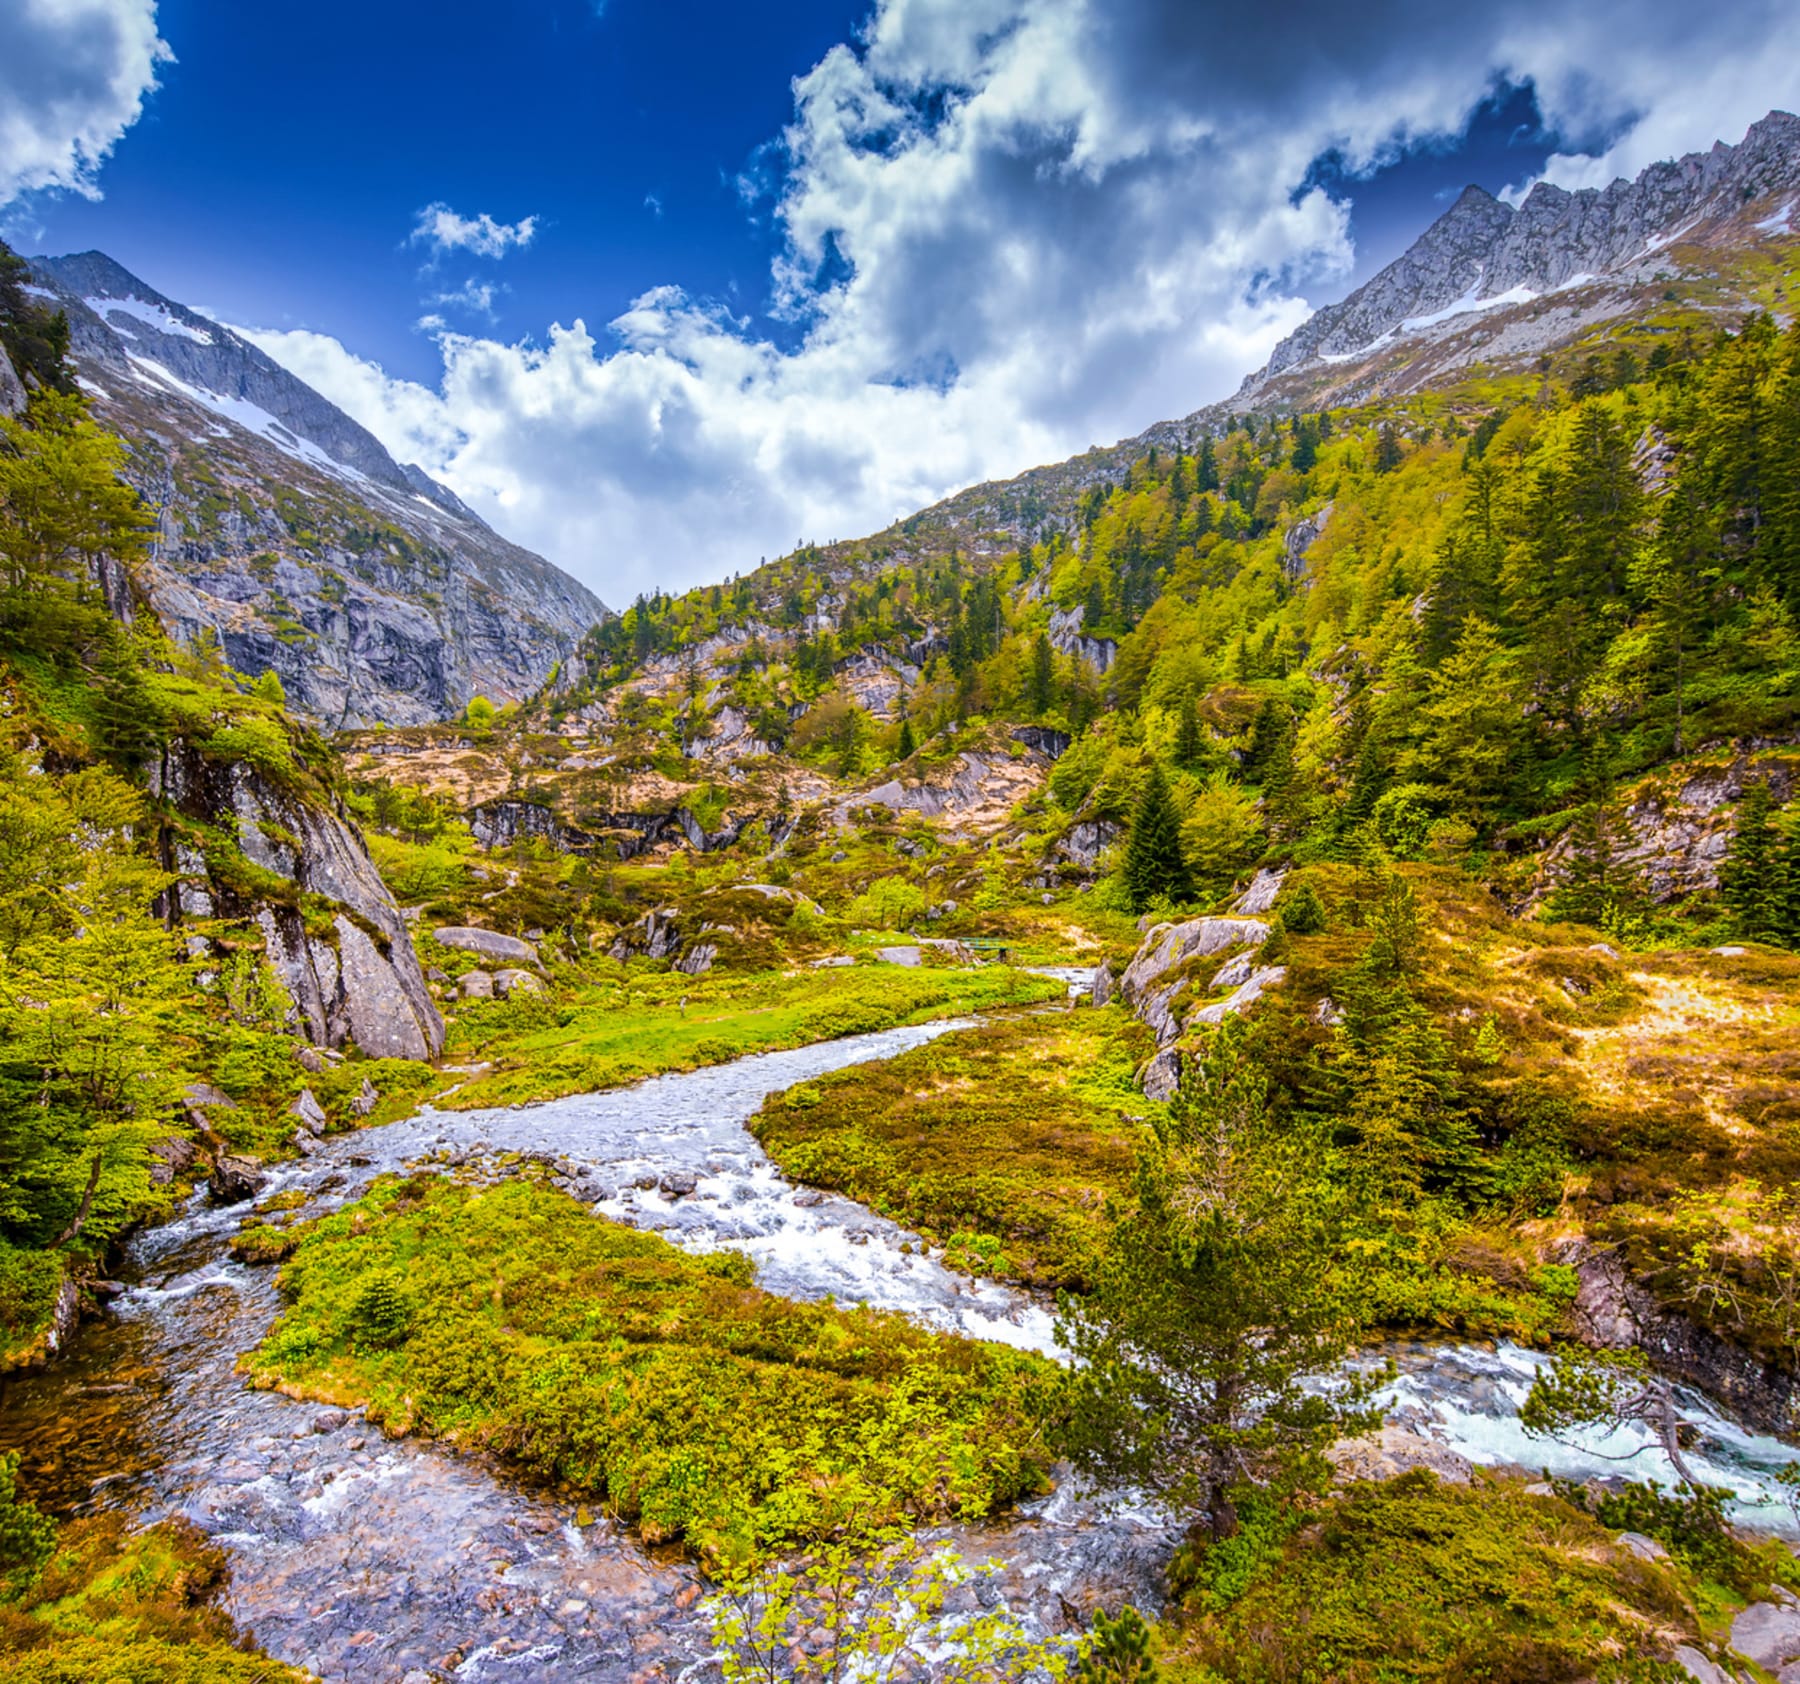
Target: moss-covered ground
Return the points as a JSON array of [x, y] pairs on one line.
[[698, 1406], [1412, 1579], [1002, 1143], [643, 1021], [113, 1606]]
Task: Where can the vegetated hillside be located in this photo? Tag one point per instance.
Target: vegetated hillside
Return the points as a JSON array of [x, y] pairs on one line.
[[288, 534], [192, 935]]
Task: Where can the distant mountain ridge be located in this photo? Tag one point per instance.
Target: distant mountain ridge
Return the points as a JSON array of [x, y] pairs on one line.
[[288, 529], [1484, 253], [1486, 286]]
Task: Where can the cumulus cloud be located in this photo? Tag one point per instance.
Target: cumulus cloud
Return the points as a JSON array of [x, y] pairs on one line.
[[444, 231], [1012, 228], [73, 78]]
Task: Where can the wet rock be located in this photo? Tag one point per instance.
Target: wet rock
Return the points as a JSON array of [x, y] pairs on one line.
[[174, 1158], [329, 1420], [476, 985], [1102, 986], [310, 1112], [809, 1198], [1391, 1450], [236, 1178], [678, 1184], [488, 944]]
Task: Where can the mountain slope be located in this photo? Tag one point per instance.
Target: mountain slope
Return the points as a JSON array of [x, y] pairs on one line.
[[1487, 290], [288, 529]]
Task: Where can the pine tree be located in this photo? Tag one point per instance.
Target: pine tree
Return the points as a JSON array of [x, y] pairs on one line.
[[1753, 877], [1388, 455], [1155, 867], [1219, 1296], [1190, 745], [1043, 676], [906, 747]]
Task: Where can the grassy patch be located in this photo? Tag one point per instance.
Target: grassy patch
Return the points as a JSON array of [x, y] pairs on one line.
[[1410, 1579], [637, 1027], [113, 1607], [1002, 1142], [699, 1406]]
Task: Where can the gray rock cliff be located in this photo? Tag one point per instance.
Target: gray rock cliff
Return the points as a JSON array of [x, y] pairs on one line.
[[289, 531]]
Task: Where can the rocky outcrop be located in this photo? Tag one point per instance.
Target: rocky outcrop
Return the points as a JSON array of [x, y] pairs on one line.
[[13, 396], [1051, 744], [1482, 250], [1299, 538], [1613, 1310], [974, 792], [1162, 965], [1676, 836], [1068, 638], [355, 981], [285, 528], [1260, 897], [499, 824]]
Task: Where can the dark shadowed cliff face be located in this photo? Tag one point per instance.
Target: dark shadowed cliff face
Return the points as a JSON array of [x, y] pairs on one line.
[[287, 529]]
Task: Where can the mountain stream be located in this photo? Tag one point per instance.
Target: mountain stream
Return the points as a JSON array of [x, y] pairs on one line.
[[370, 1559]]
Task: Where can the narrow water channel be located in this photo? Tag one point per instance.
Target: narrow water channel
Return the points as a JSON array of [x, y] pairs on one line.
[[366, 1559]]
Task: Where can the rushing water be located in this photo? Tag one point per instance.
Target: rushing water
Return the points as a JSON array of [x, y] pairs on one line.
[[369, 1559]]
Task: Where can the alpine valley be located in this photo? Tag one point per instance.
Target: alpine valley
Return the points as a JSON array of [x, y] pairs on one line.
[[1182, 1067]]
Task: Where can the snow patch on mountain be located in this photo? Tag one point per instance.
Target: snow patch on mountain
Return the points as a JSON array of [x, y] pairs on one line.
[[151, 315], [251, 417]]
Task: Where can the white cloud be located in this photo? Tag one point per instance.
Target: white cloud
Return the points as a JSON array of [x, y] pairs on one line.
[[1012, 228], [444, 231], [73, 77], [473, 295]]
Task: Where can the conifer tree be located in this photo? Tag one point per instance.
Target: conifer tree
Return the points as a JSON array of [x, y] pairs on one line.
[[1043, 676], [906, 747], [1155, 867], [1189, 744], [1220, 1295], [1754, 879]]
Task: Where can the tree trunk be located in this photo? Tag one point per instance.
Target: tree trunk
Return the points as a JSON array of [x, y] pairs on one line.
[[81, 1211]]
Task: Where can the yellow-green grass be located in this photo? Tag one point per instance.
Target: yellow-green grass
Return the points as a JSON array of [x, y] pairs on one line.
[[698, 1406]]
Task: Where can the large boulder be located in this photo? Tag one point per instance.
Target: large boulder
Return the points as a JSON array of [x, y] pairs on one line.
[[1160, 968], [488, 944]]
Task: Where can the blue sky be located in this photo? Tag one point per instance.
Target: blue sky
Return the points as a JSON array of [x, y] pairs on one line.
[[982, 233], [275, 177]]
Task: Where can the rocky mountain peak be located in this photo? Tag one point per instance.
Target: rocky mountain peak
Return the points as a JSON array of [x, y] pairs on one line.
[[1483, 252], [289, 532]]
